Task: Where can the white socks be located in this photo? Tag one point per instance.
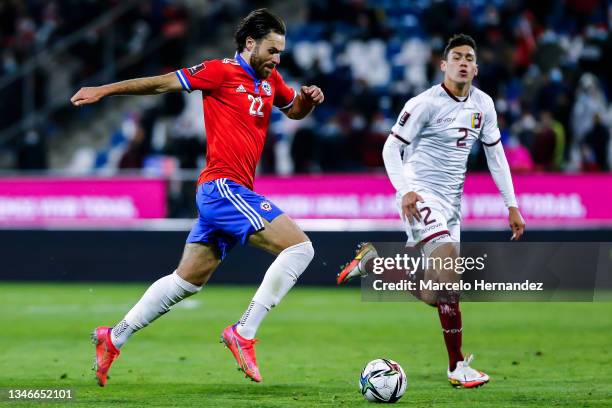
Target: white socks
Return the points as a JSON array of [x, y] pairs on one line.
[[280, 277], [171, 289], [157, 300], [251, 319]]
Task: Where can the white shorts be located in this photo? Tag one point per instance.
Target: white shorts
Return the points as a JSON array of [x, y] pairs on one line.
[[440, 221]]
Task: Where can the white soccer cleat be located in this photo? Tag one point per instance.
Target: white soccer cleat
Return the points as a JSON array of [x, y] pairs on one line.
[[465, 376], [357, 267]]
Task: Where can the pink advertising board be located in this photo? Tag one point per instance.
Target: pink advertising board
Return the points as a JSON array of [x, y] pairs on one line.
[[545, 199], [40, 200], [552, 200]]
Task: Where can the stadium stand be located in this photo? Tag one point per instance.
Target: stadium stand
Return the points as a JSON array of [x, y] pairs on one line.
[[545, 63]]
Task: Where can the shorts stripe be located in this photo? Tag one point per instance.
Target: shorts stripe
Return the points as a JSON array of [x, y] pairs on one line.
[[437, 234], [223, 189], [241, 206], [246, 206]]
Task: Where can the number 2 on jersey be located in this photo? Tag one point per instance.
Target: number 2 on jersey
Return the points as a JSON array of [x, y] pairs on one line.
[[256, 111], [427, 212], [461, 140]]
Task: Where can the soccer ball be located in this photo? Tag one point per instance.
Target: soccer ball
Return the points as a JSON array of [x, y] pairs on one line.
[[382, 380]]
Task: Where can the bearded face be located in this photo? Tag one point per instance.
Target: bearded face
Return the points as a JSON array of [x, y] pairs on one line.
[[266, 54]]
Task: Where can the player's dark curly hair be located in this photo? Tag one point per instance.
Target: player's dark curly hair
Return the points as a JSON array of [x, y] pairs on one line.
[[458, 40], [257, 25]]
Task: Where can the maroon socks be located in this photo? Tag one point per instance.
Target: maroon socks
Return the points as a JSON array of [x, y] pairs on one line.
[[450, 318]]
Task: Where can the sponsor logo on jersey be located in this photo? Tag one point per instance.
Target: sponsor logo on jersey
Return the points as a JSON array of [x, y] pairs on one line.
[[431, 228], [241, 88], [230, 61], [266, 206], [476, 120], [197, 68], [445, 120], [265, 85], [404, 118]]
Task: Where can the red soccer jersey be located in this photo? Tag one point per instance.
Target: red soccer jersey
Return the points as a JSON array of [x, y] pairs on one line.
[[237, 108]]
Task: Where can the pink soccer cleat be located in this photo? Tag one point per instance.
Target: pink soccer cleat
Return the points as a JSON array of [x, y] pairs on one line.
[[243, 351], [106, 353]]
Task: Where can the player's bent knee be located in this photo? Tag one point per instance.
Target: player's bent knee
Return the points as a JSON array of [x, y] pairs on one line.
[[197, 273], [299, 255], [429, 297], [296, 237], [448, 297], [188, 287], [198, 263], [286, 232], [303, 249], [308, 250]]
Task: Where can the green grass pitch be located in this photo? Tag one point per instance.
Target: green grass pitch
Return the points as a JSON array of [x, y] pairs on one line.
[[311, 351]]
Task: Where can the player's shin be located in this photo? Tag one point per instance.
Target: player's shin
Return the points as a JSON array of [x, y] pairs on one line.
[[279, 279], [156, 301], [447, 301], [452, 329]]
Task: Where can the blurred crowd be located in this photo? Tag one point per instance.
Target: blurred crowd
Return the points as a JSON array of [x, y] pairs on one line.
[[37, 28], [75, 42], [546, 64]]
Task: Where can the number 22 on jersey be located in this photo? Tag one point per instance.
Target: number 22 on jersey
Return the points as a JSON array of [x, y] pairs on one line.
[[256, 106]]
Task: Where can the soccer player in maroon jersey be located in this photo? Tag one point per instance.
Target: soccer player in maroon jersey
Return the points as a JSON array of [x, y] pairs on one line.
[[238, 94], [426, 157]]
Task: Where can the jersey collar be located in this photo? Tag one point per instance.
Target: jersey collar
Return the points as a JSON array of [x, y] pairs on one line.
[[249, 70], [453, 96]]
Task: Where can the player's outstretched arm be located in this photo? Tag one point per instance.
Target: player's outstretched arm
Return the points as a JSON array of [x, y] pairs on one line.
[[139, 86], [498, 166], [309, 97]]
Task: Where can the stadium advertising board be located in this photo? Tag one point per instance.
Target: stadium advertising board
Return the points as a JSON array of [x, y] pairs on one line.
[[40, 200], [545, 199]]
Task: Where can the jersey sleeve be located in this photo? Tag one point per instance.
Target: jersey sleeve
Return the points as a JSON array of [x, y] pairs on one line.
[[284, 95], [205, 76], [490, 135], [411, 120]]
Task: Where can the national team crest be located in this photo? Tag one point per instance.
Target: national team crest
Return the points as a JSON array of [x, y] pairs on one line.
[[476, 120], [265, 85], [266, 206]]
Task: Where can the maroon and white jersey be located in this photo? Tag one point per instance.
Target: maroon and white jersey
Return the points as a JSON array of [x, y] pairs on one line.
[[439, 130]]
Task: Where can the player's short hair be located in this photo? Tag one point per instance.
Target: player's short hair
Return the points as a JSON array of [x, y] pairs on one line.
[[458, 40], [257, 25]]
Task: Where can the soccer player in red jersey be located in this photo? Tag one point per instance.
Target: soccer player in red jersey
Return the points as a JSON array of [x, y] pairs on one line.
[[238, 94]]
